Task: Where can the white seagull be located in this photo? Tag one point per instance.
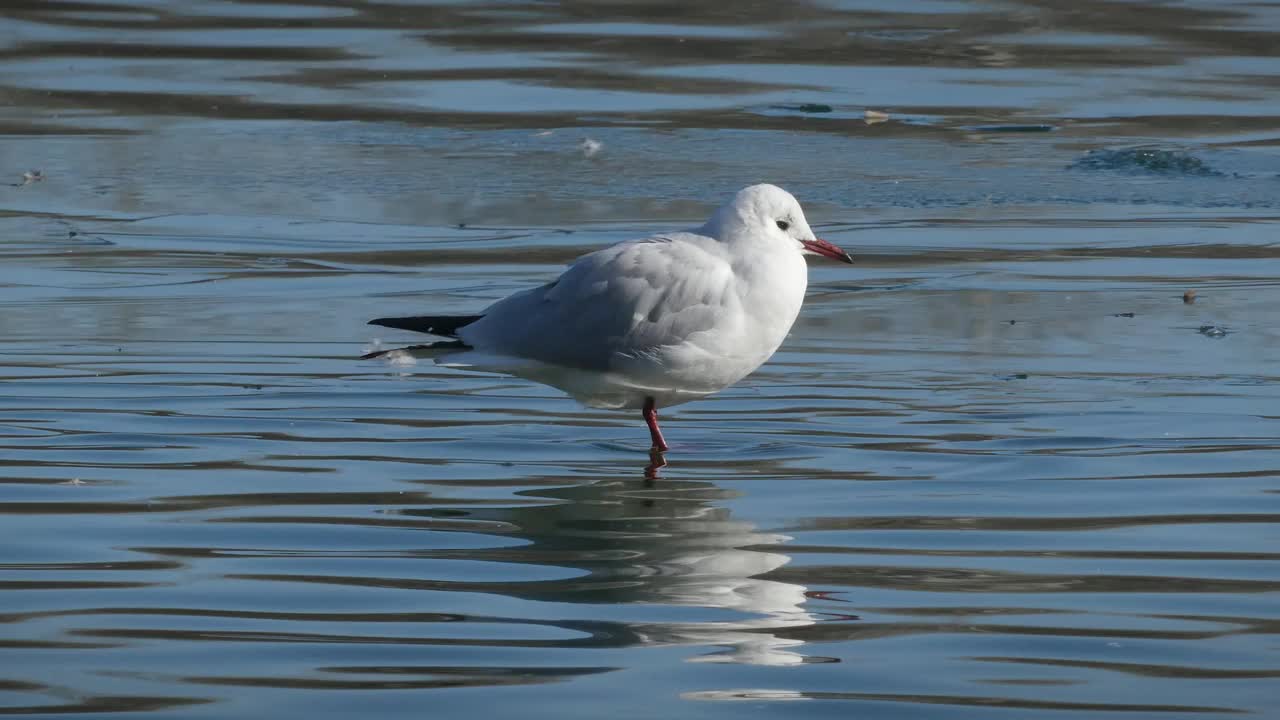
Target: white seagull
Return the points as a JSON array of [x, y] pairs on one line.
[[655, 322]]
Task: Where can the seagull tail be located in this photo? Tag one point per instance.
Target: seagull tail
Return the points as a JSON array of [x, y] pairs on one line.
[[442, 325]]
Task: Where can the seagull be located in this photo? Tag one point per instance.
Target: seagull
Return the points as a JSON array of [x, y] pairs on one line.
[[654, 322]]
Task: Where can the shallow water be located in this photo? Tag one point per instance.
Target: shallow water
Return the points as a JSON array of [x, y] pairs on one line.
[[1000, 468]]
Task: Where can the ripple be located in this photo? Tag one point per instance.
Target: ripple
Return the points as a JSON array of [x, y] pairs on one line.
[[955, 700]]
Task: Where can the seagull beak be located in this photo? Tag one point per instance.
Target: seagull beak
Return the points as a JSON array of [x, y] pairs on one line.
[[826, 249]]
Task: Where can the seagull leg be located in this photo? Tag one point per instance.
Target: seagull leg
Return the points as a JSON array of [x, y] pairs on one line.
[[657, 461], [651, 418]]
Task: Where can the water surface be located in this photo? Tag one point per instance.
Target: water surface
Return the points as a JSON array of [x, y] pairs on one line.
[[999, 469]]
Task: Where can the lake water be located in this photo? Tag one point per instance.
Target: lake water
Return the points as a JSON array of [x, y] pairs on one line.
[[1000, 469]]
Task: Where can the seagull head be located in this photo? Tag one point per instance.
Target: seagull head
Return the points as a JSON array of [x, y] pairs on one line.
[[768, 211]]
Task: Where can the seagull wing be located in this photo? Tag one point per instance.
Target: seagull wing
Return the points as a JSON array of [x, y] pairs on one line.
[[632, 301]]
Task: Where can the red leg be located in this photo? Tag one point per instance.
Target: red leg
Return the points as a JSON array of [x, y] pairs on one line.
[[657, 461], [651, 418]]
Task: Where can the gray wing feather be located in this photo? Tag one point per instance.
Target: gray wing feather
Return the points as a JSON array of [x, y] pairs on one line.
[[626, 301]]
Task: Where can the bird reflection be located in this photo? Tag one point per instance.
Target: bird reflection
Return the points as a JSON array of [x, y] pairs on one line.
[[662, 544], [725, 577]]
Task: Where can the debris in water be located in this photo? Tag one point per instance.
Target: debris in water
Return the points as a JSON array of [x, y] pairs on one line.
[[28, 177], [875, 116], [1124, 314], [805, 108], [1014, 128], [1189, 297], [1213, 331], [590, 147], [1144, 160]]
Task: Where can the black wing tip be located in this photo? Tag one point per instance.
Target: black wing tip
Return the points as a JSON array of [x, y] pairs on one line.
[[442, 325]]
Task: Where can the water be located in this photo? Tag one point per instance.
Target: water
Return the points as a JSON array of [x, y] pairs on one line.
[[1000, 468]]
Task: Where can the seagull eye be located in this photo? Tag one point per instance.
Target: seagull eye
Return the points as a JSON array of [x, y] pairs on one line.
[[783, 225]]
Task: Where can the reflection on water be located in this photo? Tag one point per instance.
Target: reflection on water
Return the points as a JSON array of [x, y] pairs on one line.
[[997, 467], [669, 546]]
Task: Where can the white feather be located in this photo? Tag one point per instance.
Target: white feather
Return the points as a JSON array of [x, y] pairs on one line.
[[675, 316]]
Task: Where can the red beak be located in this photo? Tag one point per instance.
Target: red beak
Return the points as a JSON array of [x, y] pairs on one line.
[[826, 249]]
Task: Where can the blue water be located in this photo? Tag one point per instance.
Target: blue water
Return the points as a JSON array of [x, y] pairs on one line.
[[1000, 468]]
